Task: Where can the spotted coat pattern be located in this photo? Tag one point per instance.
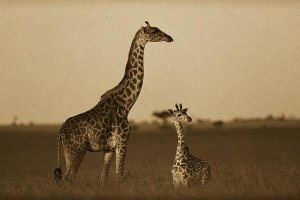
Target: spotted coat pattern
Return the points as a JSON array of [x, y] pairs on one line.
[[187, 169], [105, 127]]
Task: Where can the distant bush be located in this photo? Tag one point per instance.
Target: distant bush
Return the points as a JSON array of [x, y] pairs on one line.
[[203, 121], [163, 116], [276, 118], [218, 124], [269, 117], [31, 123], [15, 121], [133, 125], [281, 118]]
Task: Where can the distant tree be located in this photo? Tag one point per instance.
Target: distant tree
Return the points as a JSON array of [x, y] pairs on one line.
[[201, 121], [133, 125], [163, 116], [256, 119], [15, 121], [31, 123], [282, 118], [238, 119], [154, 122], [270, 117], [218, 124]]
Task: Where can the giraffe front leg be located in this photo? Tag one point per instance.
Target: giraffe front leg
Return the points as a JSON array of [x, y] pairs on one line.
[[120, 158], [121, 132], [107, 157]]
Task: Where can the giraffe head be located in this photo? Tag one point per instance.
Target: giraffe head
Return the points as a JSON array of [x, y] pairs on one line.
[[153, 34], [180, 115]]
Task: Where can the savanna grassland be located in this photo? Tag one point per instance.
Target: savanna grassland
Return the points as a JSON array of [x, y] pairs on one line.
[[247, 163]]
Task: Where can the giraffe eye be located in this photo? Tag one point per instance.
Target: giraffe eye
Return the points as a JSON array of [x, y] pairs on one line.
[[179, 115]]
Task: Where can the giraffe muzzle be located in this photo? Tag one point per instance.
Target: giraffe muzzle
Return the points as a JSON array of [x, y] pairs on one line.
[[189, 119], [168, 38]]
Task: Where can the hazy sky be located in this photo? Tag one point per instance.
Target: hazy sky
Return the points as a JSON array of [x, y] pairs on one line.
[[228, 58]]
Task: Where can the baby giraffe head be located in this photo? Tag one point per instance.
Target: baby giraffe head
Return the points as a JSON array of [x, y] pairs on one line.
[[154, 34], [180, 115]]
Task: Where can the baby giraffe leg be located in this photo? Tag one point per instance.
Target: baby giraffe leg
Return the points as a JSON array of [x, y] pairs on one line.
[[206, 175]]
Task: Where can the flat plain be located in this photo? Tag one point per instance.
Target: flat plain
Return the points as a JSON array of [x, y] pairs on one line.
[[247, 163]]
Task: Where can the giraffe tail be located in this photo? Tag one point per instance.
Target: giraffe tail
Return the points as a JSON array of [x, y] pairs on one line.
[[58, 171]]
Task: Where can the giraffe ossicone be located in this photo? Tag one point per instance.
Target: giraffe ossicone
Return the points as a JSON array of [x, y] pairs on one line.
[[105, 127], [187, 169]]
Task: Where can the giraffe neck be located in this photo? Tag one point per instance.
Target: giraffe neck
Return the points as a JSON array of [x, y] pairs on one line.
[[130, 86], [181, 145]]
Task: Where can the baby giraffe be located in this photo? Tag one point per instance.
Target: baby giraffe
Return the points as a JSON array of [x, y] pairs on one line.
[[186, 169]]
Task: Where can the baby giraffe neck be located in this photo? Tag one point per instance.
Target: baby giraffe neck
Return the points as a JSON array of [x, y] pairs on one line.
[[180, 134]]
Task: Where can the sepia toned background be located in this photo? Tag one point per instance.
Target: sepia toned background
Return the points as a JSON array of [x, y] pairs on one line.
[[234, 64], [228, 59]]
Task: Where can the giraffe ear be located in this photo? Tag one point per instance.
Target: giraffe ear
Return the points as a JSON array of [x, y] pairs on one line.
[[171, 111], [185, 110]]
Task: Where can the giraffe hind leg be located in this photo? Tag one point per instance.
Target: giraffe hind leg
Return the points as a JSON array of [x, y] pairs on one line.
[[73, 160]]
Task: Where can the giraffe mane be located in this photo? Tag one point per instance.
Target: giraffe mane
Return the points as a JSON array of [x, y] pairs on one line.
[[107, 93]]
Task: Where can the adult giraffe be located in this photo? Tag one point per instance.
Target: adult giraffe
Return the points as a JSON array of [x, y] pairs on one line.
[[105, 127]]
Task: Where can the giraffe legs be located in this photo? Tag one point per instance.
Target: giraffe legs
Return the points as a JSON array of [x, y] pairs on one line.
[[107, 157], [176, 181], [181, 178], [206, 175], [73, 160], [120, 158], [121, 131], [179, 182]]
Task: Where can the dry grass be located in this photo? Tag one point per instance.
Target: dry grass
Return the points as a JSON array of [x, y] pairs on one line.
[[247, 164]]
